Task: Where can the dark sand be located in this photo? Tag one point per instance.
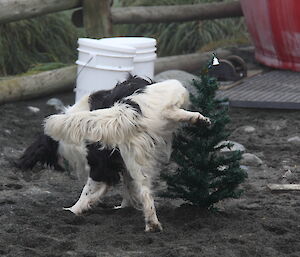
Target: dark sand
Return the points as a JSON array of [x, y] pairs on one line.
[[260, 223]]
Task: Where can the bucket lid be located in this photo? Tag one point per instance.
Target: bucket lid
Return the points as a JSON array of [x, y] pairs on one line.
[[96, 43], [138, 42]]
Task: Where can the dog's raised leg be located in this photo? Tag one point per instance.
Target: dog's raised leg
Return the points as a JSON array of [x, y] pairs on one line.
[[181, 115], [90, 195]]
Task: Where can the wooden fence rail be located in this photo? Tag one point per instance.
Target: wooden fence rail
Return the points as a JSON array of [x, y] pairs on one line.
[[22, 9], [175, 13]]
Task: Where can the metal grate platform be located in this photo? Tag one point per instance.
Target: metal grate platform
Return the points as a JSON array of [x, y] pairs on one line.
[[274, 89]]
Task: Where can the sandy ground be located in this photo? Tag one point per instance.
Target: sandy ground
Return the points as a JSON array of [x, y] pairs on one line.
[[260, 223]]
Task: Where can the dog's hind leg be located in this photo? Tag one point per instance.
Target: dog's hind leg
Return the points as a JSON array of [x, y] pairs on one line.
[[141, 198], [91, 194], [138, 194], [138, 183]]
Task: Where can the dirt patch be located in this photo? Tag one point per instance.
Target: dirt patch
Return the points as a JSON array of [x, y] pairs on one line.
[[258, 224]]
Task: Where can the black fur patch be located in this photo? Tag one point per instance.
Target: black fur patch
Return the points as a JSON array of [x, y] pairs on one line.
[[133, 104], [105, 165], [107, 98], [43, 150], [96, 100]]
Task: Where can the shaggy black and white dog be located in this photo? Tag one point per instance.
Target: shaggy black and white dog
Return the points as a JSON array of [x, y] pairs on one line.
[[126, 131]]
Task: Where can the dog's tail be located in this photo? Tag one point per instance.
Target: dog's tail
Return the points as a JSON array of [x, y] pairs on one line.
[[109, 126], [43, 150]]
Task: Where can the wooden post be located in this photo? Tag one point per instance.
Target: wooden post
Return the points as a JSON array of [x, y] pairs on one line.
[[97, 18]]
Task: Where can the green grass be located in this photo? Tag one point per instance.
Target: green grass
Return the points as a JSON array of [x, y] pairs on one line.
[[27, 43], [187, 37]]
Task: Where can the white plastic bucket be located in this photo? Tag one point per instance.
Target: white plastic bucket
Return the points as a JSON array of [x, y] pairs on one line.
[[145, 53], [101, 66]]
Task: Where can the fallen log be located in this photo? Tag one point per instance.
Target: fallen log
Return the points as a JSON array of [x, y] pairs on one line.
[[188, 62], [54, 81], [283, 187], [31, 86]]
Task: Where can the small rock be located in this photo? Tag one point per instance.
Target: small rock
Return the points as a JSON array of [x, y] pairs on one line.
[[56, 103], [235, 146], [7, 131], [250, 159], [184, 77], [249, 129], [294, 140], [289, 176], [33, 109]]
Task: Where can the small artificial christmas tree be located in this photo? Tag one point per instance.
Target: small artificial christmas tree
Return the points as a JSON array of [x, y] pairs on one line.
[[205, 175]]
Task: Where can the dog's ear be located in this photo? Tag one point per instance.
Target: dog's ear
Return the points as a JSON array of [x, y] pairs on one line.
[[43, 150], [98, 100]]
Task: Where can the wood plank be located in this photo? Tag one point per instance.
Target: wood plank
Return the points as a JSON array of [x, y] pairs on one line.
[[277, 89], [283, 187]]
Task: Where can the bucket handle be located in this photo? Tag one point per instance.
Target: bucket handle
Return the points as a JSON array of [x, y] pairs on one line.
[[91, 55]]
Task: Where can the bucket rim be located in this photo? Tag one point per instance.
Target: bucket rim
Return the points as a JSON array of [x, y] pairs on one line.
[[98, 44], [144, 58], [146, 50], [137, 42]]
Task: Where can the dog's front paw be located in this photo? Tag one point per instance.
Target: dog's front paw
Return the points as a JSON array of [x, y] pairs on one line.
[[200, 119], [205, 121], [153, 227]]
